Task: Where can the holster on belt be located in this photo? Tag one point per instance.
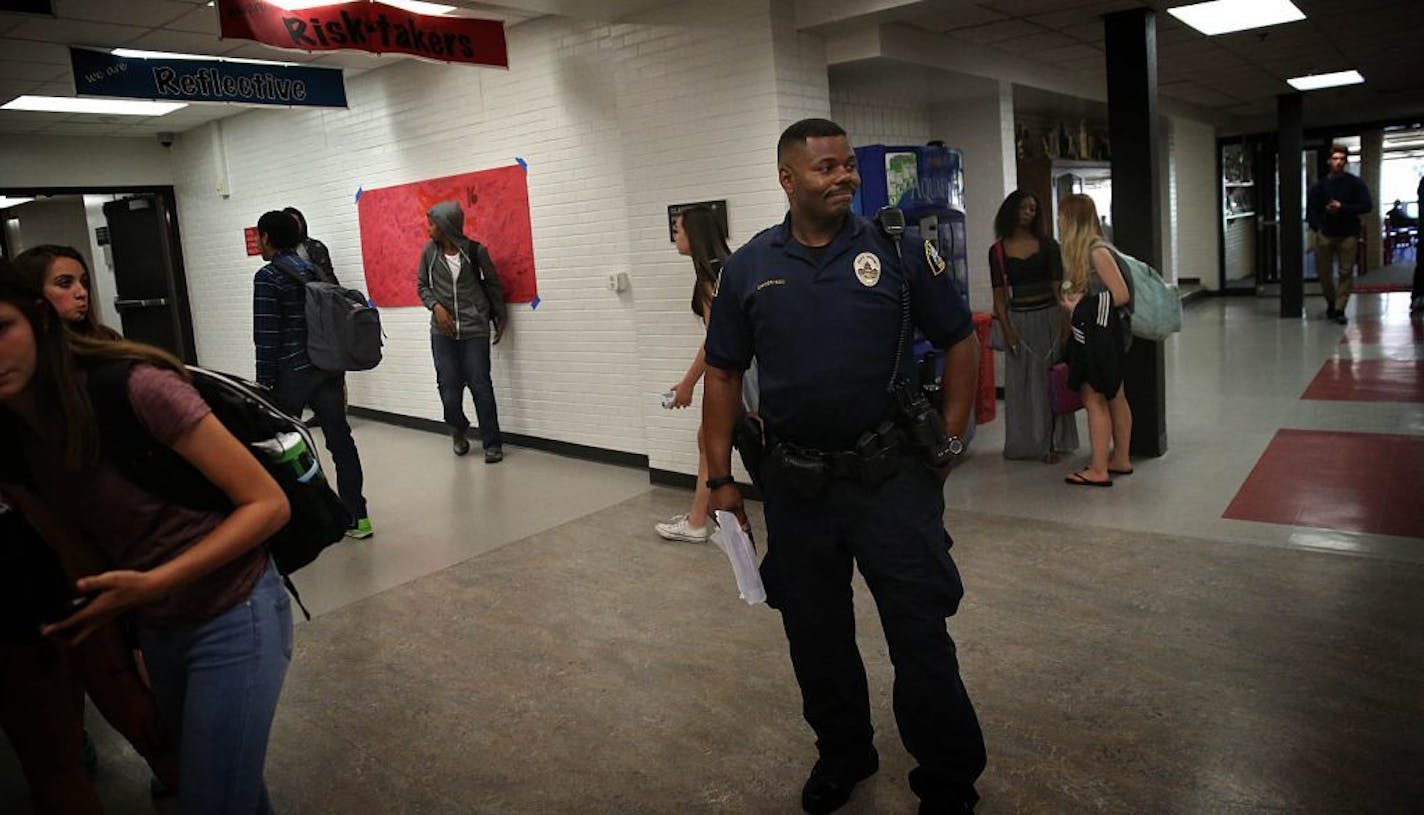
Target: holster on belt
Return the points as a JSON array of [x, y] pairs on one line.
[[874, 459], [749, 437]]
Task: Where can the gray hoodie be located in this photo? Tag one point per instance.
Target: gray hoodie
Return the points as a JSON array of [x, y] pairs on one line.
[[475, 298]]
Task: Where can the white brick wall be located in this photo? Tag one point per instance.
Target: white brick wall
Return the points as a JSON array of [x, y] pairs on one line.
[[616, 122], [1196, 188], [877, 119]]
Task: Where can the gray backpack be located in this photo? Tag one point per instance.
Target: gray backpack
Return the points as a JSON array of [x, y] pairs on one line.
[[343, 329]]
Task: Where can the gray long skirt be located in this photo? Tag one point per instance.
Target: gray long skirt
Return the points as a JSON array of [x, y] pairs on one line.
[[1029, 425]]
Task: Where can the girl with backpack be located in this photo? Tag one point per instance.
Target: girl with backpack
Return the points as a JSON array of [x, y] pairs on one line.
[[1095, 291], [214, 622], [106, 666]]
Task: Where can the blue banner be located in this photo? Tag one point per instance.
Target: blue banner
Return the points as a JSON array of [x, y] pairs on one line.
[[99, 73]]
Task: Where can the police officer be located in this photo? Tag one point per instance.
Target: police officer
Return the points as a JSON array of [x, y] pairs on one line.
[[849, 476]]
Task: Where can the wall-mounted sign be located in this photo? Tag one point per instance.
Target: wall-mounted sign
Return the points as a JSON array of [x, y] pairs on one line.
[[99, 73], [366, 26], [719, 209], [249, 236]]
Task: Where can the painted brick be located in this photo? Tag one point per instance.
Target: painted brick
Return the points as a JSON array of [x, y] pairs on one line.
[[616, 121]]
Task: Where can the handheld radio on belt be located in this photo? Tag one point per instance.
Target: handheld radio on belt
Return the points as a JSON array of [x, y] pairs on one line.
[[916, 416]]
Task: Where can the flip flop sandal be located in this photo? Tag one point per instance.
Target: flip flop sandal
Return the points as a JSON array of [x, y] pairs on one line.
[[1079, 480], [1128, 471]]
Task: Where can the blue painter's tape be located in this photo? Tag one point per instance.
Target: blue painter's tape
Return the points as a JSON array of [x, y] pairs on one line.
[[534, 304], [524, 165], [359, 190]]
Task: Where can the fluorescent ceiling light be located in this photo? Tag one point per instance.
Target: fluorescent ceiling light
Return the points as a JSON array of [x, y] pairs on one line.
[[76, 104], [420, 7], [134, 53], [1224, 16], [1312, 82], [417, 6], [6, 203]]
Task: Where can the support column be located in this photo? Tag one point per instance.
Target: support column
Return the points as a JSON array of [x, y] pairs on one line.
[[1371, 168], [1289, 113], [1133, 129]]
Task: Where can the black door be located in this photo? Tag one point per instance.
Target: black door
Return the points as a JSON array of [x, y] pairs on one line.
[[152, 296]]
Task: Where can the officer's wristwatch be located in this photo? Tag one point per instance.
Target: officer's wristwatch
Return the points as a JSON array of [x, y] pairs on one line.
[[719, 482], [955, 445]]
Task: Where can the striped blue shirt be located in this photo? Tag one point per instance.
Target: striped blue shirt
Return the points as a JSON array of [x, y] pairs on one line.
[[279, 320]]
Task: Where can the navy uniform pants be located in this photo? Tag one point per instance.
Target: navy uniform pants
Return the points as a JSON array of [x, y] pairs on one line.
[[895, 534]]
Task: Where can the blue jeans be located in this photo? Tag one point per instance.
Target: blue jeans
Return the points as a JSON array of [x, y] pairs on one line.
[[461, 364], [217, 684]]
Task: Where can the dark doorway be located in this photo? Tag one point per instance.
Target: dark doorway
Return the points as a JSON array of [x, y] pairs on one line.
[[152, 296], [136, 237]]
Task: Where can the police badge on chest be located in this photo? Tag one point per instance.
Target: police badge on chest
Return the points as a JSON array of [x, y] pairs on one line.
[[867, 269]]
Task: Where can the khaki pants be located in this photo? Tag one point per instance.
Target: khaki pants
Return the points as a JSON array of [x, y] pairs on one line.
[[1327, 250]]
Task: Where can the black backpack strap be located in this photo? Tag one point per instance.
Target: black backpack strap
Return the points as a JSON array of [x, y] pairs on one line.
[[296, 595], [122, 437], [125, 443]]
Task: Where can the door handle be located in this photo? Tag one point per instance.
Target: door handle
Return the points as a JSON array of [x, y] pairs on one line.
[[153, 302]]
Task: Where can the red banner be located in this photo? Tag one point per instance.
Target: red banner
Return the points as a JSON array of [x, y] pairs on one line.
[[249, 236], [496, 205], [366, 26]]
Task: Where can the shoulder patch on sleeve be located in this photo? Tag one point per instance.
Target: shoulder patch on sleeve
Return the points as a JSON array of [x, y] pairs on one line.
[[936, 263]]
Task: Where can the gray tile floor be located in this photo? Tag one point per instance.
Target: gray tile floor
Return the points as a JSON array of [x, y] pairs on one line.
[[515, 638]]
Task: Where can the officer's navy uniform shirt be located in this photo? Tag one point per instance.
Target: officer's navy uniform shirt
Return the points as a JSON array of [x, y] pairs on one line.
[[823, 333]]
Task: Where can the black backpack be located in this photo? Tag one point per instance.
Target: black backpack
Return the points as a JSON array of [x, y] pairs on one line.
[[247, 410], [343, 329]]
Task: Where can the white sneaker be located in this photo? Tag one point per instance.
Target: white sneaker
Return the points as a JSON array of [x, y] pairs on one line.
[[677, 529]]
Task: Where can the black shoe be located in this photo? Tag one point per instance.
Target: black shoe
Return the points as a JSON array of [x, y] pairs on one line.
[[831, 781], [462, 444], [1330, 313], [1341, 318], [494, 455]]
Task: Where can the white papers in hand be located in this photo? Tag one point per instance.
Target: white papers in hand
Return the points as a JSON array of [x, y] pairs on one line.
[[730, 538]]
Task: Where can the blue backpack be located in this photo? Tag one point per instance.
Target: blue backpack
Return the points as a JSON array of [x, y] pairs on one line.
[[1156, 307]]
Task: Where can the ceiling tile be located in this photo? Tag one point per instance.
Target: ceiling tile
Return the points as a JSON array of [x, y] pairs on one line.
[[1035, 44], [947, 18], [199, 19], [32, 71], [76, 32], [32, 51], [1067, 52], [182, 42], [1054, 15], [1084, 32], [991, 33], [64, 87], [148, 13]]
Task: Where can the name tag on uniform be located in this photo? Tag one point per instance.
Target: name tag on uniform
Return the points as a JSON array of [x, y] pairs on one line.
[[936, 263], [867, 268]]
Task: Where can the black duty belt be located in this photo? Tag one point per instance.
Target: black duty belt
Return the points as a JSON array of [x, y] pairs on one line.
[[877, 456]]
